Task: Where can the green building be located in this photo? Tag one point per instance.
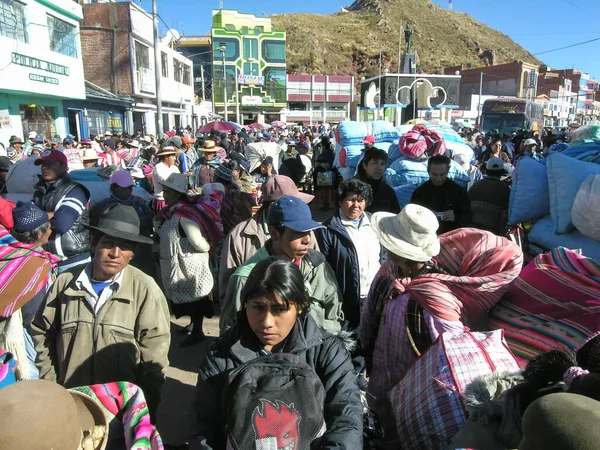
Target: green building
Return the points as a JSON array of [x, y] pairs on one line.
[[253, 55]]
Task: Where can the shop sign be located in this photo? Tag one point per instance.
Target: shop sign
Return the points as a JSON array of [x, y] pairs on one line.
[[252, 100], [115, 122], [4, 118], [251, 80], [43, 78], [34, 63]]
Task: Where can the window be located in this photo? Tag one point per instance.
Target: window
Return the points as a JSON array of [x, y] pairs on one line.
[[177, 70], [63, 37], [273, 51], [232, 53], [164, 62], [251, 69], [187, 75], [12, 20], [38, 118], [142, 60], [250, 48]]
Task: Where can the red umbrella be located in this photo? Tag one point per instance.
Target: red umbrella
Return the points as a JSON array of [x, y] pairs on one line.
[[217, 125], [256, 125]]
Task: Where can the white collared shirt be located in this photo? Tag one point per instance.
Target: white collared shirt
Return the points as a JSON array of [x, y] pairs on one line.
[[367, 249], [84, 282]]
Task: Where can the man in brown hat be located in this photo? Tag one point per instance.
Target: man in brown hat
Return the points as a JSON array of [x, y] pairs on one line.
[[206, 165], [107, 321]]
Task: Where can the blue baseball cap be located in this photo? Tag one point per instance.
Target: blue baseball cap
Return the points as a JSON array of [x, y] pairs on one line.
[[291, 212]]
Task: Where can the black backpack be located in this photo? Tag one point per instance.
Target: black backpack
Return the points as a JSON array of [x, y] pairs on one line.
[[273, 402]]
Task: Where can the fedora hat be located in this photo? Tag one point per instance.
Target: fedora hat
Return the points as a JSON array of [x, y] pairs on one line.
[[209, 146], [121, 221], [410, 234], [167, 150], [42, 414], [89, 154], [177, 182]]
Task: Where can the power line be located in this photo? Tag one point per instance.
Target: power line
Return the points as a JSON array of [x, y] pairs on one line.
[[567, 46]]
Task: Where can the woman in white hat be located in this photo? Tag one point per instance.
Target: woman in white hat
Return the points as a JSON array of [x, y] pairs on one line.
[[428, 286], [167, 157]]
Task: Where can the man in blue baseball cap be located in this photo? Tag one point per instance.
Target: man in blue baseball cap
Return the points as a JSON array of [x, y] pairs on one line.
[[290, 224]]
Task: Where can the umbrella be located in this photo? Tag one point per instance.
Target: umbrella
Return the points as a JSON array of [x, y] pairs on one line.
[[218, 125], [255, 125], [278, 124], [235, 124]]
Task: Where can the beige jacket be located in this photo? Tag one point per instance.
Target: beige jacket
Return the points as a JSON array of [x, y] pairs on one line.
[[241, 244], [128, 340]]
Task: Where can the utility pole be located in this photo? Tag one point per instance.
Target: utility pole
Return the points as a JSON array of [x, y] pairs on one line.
[[325, 100], [479, 102], [380, 93], [398, 110], [202, 81], [223, 49], [157, 72], [237, 97]]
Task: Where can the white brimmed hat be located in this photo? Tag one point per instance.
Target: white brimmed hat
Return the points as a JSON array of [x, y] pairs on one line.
[[530, 142], [410, 234], [167, 150], [89, 155], [177, 182]]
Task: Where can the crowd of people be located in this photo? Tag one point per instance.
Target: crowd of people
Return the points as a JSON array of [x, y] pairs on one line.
[[343, 308]]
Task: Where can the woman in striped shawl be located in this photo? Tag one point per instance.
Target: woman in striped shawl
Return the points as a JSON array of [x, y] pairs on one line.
[[26, 271]]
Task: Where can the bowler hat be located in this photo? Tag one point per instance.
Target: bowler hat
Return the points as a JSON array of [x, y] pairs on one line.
[[121, 221]]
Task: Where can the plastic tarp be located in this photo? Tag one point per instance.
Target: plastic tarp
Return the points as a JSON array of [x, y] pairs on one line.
[[408, 171], [258, 151]]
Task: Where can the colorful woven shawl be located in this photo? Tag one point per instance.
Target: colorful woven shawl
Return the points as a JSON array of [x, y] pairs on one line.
[[480, 265], [126, 402], [25, 269], [553, 304]]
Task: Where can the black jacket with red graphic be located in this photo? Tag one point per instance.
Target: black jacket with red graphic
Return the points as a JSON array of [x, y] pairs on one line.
[[323, 352]]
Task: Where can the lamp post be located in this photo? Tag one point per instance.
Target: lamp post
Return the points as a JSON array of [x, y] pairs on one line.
[[223, 49], [479, 102]]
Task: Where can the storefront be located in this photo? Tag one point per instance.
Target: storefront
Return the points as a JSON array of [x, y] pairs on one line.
[[40, 68], [101, 112]]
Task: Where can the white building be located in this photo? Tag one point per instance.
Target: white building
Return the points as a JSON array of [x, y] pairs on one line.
[[40, 65]]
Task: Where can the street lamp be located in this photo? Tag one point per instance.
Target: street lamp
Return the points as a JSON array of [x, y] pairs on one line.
[[223, 49]]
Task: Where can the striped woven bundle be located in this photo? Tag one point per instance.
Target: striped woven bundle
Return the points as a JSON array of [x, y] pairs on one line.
[[481, 266], [25, 269], [553, 304], [126, 401]]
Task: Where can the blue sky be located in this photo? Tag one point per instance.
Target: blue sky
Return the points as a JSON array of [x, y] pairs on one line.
[[537, 25]]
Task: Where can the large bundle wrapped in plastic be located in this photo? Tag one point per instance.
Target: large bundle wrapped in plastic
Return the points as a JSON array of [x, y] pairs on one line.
[[350, 132], [586, 133], [408, 171], [460, 148], [384, 131]]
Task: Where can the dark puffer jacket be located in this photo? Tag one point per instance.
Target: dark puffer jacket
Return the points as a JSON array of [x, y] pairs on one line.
[[325, 353]]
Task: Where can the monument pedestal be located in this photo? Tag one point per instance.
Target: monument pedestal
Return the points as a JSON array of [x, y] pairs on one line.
[[409, 63]]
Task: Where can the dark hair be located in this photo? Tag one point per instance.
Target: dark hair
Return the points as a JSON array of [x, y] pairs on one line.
[[374, 153], [354, 186], [277, 276], [438, 159], [548, 369], [30, 237]]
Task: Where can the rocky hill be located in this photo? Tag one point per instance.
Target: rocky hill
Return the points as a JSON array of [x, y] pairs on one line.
[[349, 42]]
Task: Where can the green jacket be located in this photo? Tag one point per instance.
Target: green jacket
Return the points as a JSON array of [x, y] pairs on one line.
[[320, 282], [127, 341]]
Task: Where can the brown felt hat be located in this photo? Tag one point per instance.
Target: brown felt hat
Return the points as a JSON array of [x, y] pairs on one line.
[[39, 414]]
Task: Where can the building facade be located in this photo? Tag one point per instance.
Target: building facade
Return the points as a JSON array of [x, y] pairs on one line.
[[117, 39], [40, 65], [315, 99], [249, 61], [516, 79]]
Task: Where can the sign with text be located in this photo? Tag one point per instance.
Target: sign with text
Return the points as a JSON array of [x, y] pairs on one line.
[[43, 78], [251, 80], [4, 118], [34, 63], [252, 100]]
